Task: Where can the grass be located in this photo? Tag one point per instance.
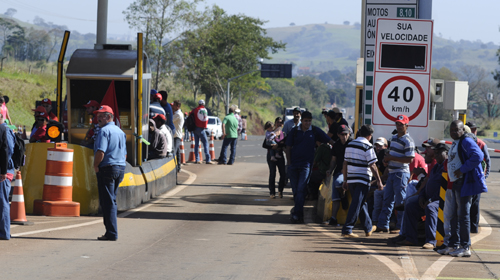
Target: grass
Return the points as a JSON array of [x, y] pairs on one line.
[[23, 89]]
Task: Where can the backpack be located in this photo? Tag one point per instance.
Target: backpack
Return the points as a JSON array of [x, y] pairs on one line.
[[19, 150], [190, 122]]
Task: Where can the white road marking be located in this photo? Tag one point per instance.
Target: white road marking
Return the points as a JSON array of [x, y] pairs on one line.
[[408, 268], [168, 194]]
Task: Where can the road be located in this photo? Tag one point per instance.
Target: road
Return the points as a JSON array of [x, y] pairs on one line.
[[221, 224]]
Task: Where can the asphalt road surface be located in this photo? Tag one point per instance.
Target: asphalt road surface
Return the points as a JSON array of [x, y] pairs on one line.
[[220, 223]]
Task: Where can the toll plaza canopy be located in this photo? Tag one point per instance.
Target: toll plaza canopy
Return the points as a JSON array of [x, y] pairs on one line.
[[89, 75]]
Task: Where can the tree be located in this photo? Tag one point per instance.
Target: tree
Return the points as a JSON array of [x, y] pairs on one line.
[[224, 47], [10, 12], [159, 19]]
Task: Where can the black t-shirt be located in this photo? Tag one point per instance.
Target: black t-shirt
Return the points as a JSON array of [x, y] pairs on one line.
[[380, 160], [338, 151], [333, 129]]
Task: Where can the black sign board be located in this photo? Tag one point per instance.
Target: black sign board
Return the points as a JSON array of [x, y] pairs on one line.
[[276, 70]]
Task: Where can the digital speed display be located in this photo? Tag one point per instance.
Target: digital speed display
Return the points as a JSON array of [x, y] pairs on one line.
[[398, 56]]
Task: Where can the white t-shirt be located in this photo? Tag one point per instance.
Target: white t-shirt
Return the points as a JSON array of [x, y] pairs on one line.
[[454, 162]]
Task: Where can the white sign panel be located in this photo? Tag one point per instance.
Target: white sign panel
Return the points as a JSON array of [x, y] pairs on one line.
[[402, 73]]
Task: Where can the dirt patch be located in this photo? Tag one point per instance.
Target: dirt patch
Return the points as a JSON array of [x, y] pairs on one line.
[[255, 124]]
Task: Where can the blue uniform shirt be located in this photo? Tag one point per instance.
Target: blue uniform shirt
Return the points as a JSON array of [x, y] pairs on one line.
[[112, 141], [304, 144], [169, 114]]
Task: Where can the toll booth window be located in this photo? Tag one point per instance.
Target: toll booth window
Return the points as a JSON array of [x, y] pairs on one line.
[[403, 57], [84, 90]]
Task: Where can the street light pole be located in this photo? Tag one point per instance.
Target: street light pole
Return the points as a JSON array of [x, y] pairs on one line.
[[228, 88]]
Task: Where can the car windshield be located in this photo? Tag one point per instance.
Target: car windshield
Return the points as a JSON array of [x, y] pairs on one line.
[[289, 112], [211, 121]]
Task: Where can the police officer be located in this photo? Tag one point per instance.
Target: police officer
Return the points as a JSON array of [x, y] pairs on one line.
[[110, 152]]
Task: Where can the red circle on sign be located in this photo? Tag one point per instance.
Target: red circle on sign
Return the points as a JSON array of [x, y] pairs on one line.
[[420, 90]]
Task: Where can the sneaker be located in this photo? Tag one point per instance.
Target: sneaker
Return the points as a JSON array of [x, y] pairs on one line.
[[428, 246], [280, 194], [440, 247], [397, 238], [369, 233], [447, 250], [384, 230], [462, 252], [350, 235], [394, 231], [272, 196], [333, 222], [211, 162], [296, 220]]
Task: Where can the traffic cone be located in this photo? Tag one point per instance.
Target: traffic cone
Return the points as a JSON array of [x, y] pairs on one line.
[[211, 147], [17, 209], [182, 154], [245, 136], [192, 157]]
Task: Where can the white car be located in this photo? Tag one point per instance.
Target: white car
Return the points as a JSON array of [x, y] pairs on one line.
[[214, 124]]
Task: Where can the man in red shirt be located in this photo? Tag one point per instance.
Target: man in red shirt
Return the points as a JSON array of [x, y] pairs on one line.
[[201, 120], [40, 134], [47, 104]]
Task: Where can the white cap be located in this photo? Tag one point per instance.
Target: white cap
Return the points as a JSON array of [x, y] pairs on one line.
[[381, 141], [237, 110], [201, 102]]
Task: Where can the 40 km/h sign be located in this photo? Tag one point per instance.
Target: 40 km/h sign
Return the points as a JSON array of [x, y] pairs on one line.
[[400, 95]]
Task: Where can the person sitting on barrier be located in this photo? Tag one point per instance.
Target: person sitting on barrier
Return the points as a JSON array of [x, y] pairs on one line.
[[47, 104], [321, 164], [155, 106], [158, 146], [358, 168], [40, 134], [418, 170], [91, 134], [169, 113], [4, 110], [336, 165], [160, 121], [425, 204]]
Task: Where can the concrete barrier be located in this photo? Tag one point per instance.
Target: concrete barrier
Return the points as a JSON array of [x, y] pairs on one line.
[[324, 204]]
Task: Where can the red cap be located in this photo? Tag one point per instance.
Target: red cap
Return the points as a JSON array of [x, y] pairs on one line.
[[46, 101], [104, 109], [40, 109], [92, 103], [402, 119], [160, 116], [157, 96], [43, 115]]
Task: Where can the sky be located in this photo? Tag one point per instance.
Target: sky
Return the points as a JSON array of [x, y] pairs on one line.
[[453, 19]]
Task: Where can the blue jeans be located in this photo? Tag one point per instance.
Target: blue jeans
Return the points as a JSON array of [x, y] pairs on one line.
[[460, 219], [358, 207], [299, 177], [394, 193], [108, 180], [223, 152], [413, 214], [475, 213], [5, 187], [378, 200], [449, 203], [199, 133]]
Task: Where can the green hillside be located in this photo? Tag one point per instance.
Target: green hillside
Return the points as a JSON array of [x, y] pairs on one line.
[[324, 47]]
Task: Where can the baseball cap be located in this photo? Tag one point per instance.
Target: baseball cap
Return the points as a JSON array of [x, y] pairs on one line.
[[381, 141], [92, 103], [43, 115], [160, 116], [441, 146], [47, 101], [40, 109], [237, 110], [201, 102], [104, 109], [153, 91], [402, 119], [471, 125], [157, 96], [431, 142], [343, 129], [296, 109], [336, 110]]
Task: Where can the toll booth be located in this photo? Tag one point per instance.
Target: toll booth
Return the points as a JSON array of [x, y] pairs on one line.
[[88, 77]]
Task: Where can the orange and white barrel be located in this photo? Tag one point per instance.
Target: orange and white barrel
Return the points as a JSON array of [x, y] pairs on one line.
[[182, 154], [58, 184]]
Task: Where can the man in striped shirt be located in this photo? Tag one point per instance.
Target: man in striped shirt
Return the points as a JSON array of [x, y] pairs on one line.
[[359, 166], [401, 153]]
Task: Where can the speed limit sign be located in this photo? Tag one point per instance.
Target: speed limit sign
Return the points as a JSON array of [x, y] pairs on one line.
[[400, 95]]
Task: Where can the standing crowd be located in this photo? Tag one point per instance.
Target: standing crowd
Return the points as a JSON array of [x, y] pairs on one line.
[[391, 183]]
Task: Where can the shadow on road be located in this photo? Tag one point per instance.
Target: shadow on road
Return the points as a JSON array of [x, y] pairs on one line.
[[209, 217], [53, 238], [239, 199]]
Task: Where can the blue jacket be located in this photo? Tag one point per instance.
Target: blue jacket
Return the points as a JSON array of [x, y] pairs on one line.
[[471, 156]]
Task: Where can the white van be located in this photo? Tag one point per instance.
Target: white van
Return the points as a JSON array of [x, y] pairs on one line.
[[288, 113], [214, 124]]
